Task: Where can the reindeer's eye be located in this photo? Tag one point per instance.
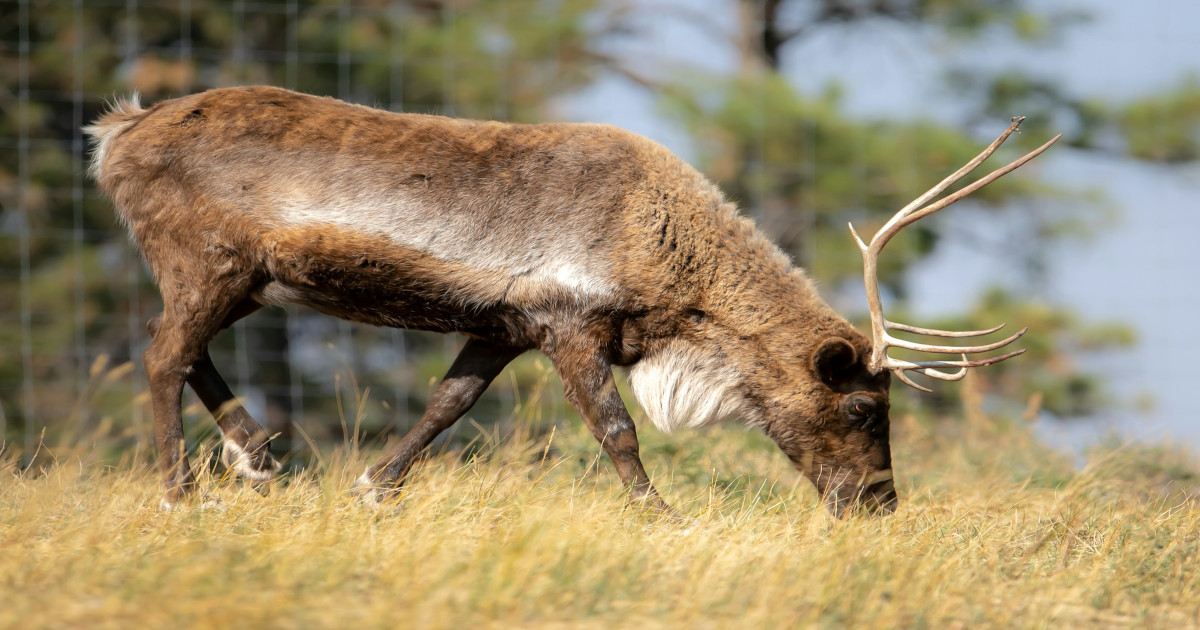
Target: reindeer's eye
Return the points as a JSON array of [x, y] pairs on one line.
[[860, 408]]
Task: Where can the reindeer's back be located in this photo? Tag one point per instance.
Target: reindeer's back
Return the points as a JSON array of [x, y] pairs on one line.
[[523, 214]]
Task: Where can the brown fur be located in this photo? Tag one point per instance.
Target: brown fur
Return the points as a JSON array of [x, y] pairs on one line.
[[209, 186]]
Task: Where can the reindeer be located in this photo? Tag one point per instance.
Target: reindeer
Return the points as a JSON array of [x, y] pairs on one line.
[[590, 244]]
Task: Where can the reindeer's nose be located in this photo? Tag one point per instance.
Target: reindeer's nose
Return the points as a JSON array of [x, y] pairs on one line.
[[878, 495], [881, 498]]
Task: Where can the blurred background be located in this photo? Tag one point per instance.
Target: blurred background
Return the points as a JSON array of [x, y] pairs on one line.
[[808, 113]]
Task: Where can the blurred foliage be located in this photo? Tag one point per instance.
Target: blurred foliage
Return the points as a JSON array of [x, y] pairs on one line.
[[1047, 108], [803, 167], [88, 297], [774, 23], [1162, 128], [795, 161], [973, 17]]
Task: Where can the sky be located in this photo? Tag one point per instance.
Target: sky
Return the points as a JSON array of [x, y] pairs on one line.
[[1139, 269]]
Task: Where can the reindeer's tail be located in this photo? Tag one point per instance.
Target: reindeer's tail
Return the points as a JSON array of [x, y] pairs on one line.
[[122, 115]]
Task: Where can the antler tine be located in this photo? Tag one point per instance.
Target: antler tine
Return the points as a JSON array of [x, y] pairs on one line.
[[928, 368], [945, 376], [929, 371], [902, 343], [917, 215], [911, 213], [965, 363], [918, 209], [940, 333], [911, 383], [962, 172]]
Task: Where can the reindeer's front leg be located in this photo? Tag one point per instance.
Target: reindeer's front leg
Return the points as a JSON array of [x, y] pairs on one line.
[[582, 363]]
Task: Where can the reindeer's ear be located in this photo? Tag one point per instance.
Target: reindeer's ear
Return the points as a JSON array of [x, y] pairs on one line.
[[833, 359]]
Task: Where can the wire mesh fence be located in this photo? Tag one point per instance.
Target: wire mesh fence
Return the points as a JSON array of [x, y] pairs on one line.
[[73, 290], [75, 298]]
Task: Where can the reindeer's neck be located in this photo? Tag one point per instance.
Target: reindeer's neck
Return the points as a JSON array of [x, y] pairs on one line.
[[751, 317], [711, 277], [756, 290]]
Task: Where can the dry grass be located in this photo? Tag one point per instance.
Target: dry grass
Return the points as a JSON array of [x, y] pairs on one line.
[[993, 531]]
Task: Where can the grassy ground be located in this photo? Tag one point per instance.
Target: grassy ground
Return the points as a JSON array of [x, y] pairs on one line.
[[993, 531]]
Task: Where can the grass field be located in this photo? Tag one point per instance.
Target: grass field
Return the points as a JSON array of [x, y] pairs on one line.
[[993, 530]]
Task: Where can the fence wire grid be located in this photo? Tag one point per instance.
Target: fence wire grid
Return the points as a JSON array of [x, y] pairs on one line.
[[76, 297]]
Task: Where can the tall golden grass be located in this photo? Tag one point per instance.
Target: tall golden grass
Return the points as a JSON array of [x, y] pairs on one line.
[[994, 530]]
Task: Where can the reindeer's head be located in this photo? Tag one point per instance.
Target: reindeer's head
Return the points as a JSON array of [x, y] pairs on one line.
[[834, 426]]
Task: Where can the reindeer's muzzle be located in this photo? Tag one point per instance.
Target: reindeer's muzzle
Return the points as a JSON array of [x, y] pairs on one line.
[[876, 496], [879, 497]]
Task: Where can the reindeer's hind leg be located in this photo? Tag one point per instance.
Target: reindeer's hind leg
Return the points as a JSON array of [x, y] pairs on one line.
[[245, 441], [474, 369], [193, 312]]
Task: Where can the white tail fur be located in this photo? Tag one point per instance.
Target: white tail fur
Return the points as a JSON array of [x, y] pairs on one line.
[[123, 113]]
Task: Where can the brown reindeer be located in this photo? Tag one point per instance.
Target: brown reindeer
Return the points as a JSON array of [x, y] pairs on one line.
[[591, 244]]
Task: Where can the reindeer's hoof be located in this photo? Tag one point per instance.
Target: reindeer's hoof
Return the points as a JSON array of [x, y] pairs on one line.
[[381, 499], [263, 488], [207, 502], [178, 493], [258, 465], [368, 491], [653, 506]]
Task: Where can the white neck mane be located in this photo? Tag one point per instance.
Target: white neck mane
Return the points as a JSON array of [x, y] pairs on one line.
[[682, 385]]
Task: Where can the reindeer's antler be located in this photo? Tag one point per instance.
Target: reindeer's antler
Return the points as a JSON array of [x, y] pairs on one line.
[[908, 215]]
